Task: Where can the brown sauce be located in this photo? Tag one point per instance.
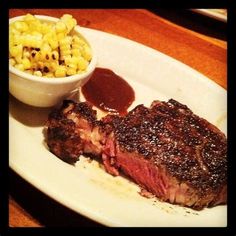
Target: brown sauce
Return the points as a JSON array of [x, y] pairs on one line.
[[108, 91]]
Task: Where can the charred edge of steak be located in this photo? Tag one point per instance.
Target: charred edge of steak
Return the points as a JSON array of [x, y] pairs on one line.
[[64, 138]]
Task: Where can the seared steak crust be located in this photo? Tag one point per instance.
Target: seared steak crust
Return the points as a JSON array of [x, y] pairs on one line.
[[166, 149], [170, 134], [65, 128]]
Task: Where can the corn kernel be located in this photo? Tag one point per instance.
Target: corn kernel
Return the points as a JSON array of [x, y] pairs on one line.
[[45, 47], [66, 40], [74, 66], [75, 52], [45, 28], [19, 67], [48, 75], [40, 65], [55, 55], [16, 50], [71, 60], [26, 63], [12, 61], [53, 66], [26, 54], [53, 43], [37, 34], [65, 53], [28, 17], [71, 71], [60, 36], [18, 59], [38, 73], [60, 27], [21, 26], [87, 53], [82, 63], [45, 55], [35, 55], [69, 21], [60, 71]]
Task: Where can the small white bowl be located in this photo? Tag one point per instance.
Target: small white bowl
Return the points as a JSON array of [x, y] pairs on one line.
[[46, 92]]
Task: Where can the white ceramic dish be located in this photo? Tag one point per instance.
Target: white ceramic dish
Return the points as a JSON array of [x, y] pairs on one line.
[[213, 13], [46, 92], [86, 187]]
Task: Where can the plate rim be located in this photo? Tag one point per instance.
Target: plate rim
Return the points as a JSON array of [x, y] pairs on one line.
[[211, 14]]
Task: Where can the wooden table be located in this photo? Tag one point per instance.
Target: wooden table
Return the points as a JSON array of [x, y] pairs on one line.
[[197, 41]]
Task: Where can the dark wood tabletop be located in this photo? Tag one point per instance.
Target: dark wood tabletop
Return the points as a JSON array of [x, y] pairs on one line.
[[193, 39]]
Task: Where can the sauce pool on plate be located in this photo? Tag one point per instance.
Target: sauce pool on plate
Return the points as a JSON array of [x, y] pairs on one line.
[[108, 91]]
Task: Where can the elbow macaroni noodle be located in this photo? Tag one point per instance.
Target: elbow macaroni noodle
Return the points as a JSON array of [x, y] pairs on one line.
[[47, 49]]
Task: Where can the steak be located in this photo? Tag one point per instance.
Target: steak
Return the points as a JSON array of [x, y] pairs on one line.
[[166, 149]]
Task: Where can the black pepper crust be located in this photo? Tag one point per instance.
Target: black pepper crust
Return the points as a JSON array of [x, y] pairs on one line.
[[63, 136], [169, 134], [83, 109]]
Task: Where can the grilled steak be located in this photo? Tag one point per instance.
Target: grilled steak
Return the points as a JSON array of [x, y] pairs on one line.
[[166, 149]]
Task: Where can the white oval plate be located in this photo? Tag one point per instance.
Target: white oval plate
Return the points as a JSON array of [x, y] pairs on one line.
[[86, 188]]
